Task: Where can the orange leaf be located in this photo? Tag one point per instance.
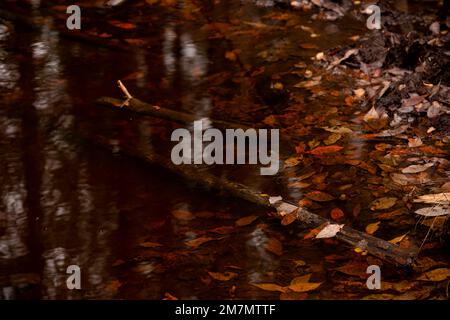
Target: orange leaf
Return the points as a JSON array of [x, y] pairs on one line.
[[245, 221], [323, 150], [273, 245], [123, 25], [337, 214]]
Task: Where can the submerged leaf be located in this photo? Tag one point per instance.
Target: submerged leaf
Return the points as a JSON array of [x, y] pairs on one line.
[[319, 196], [269, 287], [246, 221], [383, 203]]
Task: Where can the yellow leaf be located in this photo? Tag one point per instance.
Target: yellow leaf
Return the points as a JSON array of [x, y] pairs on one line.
[[304, 286], [269, 287], [398, 239], [435, 275], [373, 227]]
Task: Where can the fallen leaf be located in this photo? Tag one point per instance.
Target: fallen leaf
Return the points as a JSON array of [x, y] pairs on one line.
[[341, 130], [437, 198], [329, 231], [336, 214], [383, 203], [231, 55], [122, 25], [168, 296], [398, 239], [198, 242], [292, 162], [434, 211], [183, 215], [308, 84], [289, 218], [246, 221], [148, 244], [222, 230], [417, 168], [301, 279], [308, 46], [319, 196], [410, 179], [269, 287], [226, 276], [435, 275], [324, 150], [273, 200], [414, 142], [113, 286], [304, 286], [299, 263], [332, 138], [299, 184], [373, 227], [274, 245], [347, 55]]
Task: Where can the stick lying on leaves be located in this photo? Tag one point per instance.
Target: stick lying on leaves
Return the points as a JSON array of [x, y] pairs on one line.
[[377, 247]]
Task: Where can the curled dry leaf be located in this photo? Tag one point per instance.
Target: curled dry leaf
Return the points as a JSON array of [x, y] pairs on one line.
[[437, 198], [329, 231], [417, 168], [434, 211], [410, 179], [273, 200]]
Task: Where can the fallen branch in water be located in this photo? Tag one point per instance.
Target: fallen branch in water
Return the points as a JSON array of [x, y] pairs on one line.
[[377, 247]]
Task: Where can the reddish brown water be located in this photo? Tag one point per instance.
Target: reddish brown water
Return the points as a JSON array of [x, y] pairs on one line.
[[66, 201]]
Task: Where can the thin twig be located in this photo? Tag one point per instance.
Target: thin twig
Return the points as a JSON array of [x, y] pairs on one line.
[[125, 91]]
